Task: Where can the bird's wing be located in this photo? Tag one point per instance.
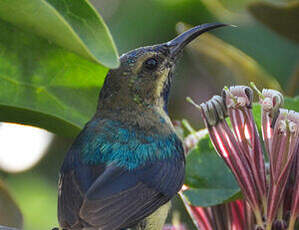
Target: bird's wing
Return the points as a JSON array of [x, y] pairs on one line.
[[109, 195], [73, 184], [120, 198], [69, 201]]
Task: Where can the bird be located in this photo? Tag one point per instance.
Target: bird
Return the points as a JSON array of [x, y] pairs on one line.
[[128, 162]]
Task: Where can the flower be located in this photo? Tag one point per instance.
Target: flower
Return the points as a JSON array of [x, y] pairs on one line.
[[266, 197], [173, 227]]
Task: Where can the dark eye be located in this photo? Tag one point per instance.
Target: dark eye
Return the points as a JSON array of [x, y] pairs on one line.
[[151, 64]]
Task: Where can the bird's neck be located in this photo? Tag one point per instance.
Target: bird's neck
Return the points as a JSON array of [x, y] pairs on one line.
[[134, 102], [142, 117]]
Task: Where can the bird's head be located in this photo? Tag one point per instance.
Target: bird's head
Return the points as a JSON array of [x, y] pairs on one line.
[[144, 76]]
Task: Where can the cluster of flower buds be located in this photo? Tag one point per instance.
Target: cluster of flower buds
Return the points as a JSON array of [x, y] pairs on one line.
[[271, 197], [235, 215]]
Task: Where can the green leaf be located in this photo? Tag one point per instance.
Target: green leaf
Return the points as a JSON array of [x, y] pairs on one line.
[[292, 86], [10, 214], [208, 177], [272, 14], [44, 85], [235, 5], [225, 63], [72, 24], [218, 9], [37, 198], [291, 103]]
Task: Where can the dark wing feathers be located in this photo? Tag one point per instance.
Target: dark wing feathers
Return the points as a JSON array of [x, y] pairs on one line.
[[125, 200], [117, 211], [69, 201], [120, 198], [113, 180], [109, 197], [166, 176], [153, 205], [85, 175]]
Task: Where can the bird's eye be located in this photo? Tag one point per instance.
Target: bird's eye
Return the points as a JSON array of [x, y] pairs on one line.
[[151, 64]]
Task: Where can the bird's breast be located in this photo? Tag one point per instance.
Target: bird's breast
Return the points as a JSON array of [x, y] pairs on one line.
[[108, 141]]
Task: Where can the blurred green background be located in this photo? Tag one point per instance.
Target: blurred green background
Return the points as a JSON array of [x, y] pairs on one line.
[[264, 48]]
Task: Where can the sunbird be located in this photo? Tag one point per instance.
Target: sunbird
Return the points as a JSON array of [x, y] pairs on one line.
[[128, 162]]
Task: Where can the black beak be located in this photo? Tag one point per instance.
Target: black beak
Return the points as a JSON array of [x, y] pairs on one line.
[[177, 44]]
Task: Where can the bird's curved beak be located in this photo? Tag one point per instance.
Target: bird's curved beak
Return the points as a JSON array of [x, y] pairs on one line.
[[177, 44]]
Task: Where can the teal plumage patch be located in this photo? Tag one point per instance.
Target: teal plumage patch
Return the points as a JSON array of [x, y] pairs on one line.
[[127, 148]]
